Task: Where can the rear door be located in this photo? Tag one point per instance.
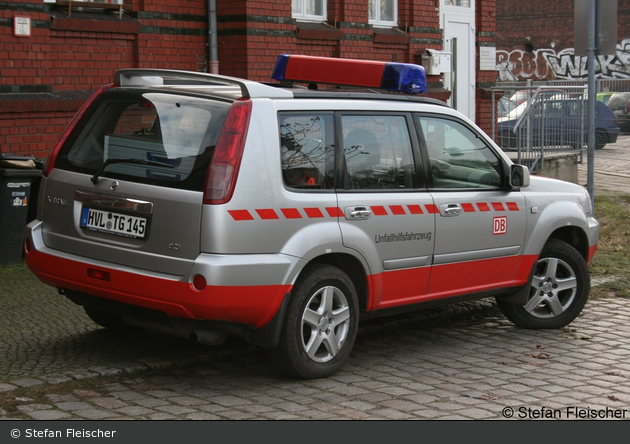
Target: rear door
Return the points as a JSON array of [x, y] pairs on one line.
[[387, 214], [128, 184], [480, 225]]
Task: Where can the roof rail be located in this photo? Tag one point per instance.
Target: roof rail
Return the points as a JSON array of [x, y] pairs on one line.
[[165, 77]]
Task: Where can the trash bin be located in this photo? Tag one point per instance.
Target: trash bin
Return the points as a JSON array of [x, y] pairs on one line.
[[17, 175]]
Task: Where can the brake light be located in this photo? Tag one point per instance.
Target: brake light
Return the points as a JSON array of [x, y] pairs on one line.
[[228, 152], [52, 157], [390, 76]]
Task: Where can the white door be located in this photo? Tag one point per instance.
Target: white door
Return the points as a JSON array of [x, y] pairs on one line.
[[460, 41]]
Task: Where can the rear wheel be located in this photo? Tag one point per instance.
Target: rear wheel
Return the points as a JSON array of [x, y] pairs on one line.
[[558, 292], [321, 324]]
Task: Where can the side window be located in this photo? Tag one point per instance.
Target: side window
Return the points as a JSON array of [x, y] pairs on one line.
[[377, 152], [459, 159], [307, 146]]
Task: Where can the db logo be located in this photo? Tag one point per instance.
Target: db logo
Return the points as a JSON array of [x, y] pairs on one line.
[[499, 225]]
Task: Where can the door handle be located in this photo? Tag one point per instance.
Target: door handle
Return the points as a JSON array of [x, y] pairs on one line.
[[450, 210], [359, 213]]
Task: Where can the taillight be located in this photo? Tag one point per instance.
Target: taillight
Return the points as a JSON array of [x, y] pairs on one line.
[[226, 159], [52, 157]]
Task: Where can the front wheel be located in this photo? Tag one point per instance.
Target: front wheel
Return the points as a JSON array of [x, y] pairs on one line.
[[558, 292], [321, 324]]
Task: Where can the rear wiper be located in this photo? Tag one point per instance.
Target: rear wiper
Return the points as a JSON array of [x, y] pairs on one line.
[[109, 162]]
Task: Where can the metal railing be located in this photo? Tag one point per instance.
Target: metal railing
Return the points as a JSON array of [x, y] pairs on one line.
[[543, 120]]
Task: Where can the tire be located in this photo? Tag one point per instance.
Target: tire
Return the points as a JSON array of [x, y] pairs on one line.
[[320, 326], [558, 292], [108, 320], [601, 139]]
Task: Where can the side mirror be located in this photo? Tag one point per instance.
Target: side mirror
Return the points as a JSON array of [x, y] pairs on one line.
[[519, 176]]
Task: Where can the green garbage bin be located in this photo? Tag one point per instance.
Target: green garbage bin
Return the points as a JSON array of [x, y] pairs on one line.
[[17, 176]]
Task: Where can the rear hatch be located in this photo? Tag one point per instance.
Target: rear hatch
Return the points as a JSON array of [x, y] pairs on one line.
[[128, 183]]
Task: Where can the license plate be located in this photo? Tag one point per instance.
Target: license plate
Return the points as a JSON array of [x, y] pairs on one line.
[[113, 223]]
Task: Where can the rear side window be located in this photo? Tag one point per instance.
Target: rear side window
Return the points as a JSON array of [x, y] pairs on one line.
[[156, 138], [307, 144]]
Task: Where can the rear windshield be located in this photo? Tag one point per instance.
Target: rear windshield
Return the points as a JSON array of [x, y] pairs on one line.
[[149, 137]]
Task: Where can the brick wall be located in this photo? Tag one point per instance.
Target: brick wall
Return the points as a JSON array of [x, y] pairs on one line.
[[485, 25], [46, 76]]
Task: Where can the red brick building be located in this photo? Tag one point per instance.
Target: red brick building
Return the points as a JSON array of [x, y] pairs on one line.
[[54, 53]]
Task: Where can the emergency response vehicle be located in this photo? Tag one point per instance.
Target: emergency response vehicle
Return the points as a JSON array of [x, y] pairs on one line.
[[284, 213]]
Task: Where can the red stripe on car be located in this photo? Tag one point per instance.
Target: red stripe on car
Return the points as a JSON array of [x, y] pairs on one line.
[[267, 214], [291, 213], [241, 215], [379, 210]]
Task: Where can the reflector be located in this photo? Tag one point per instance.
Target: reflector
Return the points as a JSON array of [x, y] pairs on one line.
[[390, 76]]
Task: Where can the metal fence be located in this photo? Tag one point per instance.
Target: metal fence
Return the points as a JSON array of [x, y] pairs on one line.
[[549, 118]]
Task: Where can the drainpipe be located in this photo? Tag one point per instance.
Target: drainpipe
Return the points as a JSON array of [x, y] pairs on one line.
[[213, 53]]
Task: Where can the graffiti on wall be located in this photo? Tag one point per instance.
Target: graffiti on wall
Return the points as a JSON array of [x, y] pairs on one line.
[[547, 64]]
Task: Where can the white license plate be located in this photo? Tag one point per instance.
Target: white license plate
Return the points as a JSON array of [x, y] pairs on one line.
[[113, 223]]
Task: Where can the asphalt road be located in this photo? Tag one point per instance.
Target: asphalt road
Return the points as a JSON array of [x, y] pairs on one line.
[[459, 362]]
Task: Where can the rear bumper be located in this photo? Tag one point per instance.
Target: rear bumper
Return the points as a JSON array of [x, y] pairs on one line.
[[225, 298]]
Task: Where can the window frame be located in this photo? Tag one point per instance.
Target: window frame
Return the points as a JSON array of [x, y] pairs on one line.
[[419, 176], [329, 120], [426, 155], [302, 16], [377, 21], [340, 180]]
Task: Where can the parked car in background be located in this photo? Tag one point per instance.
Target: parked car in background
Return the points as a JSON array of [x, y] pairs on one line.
[[604, 96], [505, 105], [619, 103], [558, 121], [523, 95]]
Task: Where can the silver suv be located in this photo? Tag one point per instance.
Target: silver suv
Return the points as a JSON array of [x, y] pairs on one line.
[[206, 206]]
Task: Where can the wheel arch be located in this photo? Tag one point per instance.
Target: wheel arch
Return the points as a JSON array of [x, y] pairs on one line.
[[571, 228], [350, 265], [574, 236]]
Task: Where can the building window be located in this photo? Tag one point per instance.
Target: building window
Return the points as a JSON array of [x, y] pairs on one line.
[[464, 3], [309, 10], [383, 13]]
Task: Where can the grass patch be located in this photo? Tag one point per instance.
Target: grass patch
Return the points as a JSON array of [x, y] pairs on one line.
[[611, 264]]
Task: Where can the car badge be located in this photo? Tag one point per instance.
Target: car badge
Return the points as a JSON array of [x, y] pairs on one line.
[[114, 186]]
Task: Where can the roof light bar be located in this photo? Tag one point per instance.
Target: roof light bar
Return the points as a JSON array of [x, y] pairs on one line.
[[399, 77]]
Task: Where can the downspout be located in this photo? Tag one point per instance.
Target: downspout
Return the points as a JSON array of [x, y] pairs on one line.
[[213, 53]]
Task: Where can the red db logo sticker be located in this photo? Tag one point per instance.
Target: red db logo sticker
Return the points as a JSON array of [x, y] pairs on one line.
[[499, 225]]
